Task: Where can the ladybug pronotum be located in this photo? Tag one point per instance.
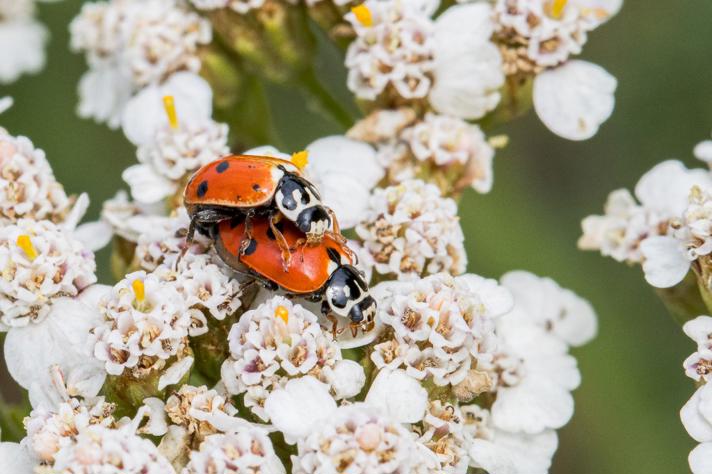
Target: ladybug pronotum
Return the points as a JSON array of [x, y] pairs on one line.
[[322, 272]]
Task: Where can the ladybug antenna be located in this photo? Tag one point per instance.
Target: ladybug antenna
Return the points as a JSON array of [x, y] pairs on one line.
[[300, 159], [169, 105]]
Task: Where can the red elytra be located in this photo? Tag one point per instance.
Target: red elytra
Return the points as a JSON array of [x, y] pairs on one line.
[[241, 181], [309, 268]]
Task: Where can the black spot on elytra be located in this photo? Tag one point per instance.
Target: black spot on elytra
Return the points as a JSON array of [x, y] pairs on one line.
[[222, 167], [256, 187], [251, 247], [202, 189]]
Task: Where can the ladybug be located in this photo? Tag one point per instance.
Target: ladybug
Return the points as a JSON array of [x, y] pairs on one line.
[[322, 272], [257, 185]]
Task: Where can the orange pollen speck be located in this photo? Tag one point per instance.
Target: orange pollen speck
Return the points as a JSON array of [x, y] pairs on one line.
[[282, 313], [169, 105], [300, 159], [557, 8], [24, 242], [363, 15], [139, 290]]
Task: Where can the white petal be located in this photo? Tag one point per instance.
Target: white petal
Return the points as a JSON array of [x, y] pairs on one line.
[[5, 103], [153, 409], [703, 151], [665, 263], [490, 457], [144, 113], [346, 379], [175, 372], [398, 395], [24, 41], [700, 459], [14, 459], [696, 425], [103, 93], [78, 210], [698, 329], [147, 186], [532, 406], [94, 235], [468, 67], [61, 340], [267, 150], [575, 99], [666, 187], [299, 407]]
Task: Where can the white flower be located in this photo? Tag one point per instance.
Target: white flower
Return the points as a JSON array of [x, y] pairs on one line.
[[344, 171], [699, 365], [357, 439], [501, 452], [144, 115], [146, 322], [557, 310], [6, 103], [28, 187], [300, 407], [48, 430], [446, 142], [277, 341], [400, 50], [131, 44], [59, 343], [573, 100], [703, 151], [111, 451], [696, 416], [538, 34], [443, 326], [127, 219], [166, 161], [534, 376], [663, 193], [394, 49], [247, 450], [240, 6], [398, 395], [201, 411], [19, 28], [467, 65], [411, 230], [40, 262], [15, 459]]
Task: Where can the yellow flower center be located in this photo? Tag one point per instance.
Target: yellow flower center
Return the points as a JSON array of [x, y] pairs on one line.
[[300, 159], [139, 290], [363, 15], [169, 105], [24, 242], [282, 313]]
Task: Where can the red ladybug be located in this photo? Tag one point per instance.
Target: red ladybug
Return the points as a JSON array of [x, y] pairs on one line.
[[256, 185], [323, 272]]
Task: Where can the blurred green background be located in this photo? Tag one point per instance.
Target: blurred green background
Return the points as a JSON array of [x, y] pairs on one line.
[[626, 419]]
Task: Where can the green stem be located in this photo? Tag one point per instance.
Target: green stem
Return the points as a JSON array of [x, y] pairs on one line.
[[323, 101]]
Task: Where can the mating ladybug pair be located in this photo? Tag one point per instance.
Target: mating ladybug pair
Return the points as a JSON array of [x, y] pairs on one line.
[[268, 222]]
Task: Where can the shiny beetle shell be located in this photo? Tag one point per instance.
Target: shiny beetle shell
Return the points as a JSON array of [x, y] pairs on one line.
[[309, 269], [239, 181]]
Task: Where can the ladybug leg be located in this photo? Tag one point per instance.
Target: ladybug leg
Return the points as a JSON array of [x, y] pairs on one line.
[[326, 312], [282, 242], [335, 224], [247, 237], [354, 329]]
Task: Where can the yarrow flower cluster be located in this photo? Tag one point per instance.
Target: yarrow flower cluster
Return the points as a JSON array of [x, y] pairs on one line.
[[18, 26], [411, 230], [279, 341], [200, 370]]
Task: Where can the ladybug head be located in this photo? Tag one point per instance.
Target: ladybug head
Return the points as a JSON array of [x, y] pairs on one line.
[[300, 202], [348, 296]]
